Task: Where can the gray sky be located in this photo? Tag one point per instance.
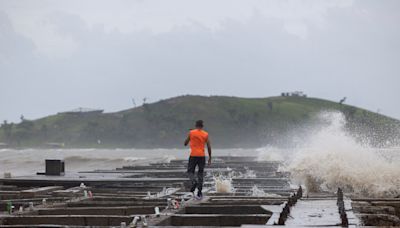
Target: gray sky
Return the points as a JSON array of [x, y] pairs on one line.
[[59, 55]]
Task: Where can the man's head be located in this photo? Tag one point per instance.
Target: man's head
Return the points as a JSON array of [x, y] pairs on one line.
[[199, 124]]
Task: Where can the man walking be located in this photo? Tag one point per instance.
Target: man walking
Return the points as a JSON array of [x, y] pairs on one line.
[[198, 138]]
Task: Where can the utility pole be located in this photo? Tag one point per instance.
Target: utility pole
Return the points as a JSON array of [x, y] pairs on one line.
[[133, 102]]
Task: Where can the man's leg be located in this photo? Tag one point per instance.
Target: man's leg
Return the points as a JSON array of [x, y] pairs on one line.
[[190, 171], [200, 174]]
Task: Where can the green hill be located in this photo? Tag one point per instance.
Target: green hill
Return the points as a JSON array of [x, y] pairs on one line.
[[231, 121]]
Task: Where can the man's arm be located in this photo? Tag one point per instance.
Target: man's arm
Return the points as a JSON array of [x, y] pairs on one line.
[[187, 140], [209, 151]]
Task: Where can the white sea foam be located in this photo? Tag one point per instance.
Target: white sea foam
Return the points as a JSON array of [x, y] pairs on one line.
[[166, 159], [255, 191], [249, 174], [331, 158], [133, 158], [246, 174], [269, 153]]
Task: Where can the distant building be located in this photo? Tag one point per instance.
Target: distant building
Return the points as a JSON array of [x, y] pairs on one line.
[[294, 94], [83, 111]]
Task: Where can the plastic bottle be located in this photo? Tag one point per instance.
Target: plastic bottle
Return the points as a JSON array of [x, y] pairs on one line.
[[31, 206], [176, 204], [144, 220], [134, 221], [157, 211], [169, 203], [9, 207]]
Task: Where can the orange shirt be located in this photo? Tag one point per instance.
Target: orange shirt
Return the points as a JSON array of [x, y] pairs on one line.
[[198, 139]]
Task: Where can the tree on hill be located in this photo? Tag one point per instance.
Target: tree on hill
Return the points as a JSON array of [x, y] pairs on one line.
[[7, 130]]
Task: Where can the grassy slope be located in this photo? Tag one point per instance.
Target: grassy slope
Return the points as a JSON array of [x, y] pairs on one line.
[[232, 122]]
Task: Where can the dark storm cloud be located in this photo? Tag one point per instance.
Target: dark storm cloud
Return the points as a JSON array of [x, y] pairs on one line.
[[355, 53]]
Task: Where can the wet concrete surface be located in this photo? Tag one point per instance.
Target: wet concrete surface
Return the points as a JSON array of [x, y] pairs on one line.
[[157, 195]]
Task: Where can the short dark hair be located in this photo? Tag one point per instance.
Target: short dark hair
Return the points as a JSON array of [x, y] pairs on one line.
[[199, 123]]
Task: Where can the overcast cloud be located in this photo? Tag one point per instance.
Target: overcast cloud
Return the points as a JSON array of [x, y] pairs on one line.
[[59, 55]]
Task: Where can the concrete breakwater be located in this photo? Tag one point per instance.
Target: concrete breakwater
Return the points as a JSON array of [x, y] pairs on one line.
[[157, 195]]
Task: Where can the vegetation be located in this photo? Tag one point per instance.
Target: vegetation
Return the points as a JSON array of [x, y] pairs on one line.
[[231, 121]]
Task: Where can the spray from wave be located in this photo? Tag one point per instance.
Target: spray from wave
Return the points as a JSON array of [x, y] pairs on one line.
[[223, 184], [270, 154], [257, 192], [332, 158]]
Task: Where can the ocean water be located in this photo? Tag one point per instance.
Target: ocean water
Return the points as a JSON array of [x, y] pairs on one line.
[[30, 161], [328, 158]]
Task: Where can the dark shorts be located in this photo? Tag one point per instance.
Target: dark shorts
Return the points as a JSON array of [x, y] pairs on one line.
[[196, 161], [193, 162]]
